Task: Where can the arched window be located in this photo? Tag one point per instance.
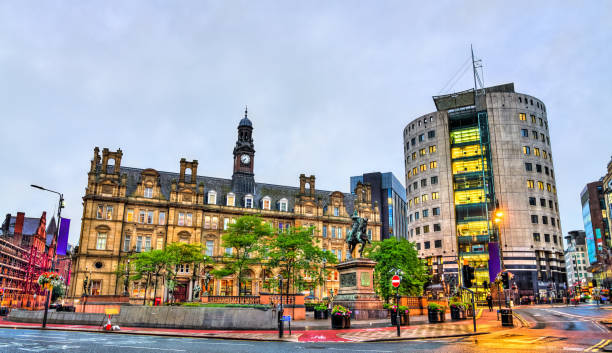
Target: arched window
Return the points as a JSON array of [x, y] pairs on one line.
[[212, 197], [266, 202], [231, 199], [248, 201], [283, 205]]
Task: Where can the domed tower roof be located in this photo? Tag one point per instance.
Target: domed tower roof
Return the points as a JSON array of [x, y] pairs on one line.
[[245, 121]]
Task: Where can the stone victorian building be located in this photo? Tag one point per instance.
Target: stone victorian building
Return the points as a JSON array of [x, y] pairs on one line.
[[128, 210]]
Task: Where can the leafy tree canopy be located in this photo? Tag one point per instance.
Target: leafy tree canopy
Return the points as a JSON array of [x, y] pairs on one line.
[[400, 254]]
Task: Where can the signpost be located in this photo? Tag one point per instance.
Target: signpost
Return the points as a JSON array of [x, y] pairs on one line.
[[395, 282]]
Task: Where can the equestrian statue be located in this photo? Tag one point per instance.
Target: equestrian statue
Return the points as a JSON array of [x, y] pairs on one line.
[[358, 234]]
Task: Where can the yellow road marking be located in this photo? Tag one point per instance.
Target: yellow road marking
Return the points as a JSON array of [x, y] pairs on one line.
[[596, 347]]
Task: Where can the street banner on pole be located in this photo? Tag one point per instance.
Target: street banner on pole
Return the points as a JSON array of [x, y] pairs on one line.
[[62, 239]]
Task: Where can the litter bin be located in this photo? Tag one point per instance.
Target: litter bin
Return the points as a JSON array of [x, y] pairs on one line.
[[506, 317]]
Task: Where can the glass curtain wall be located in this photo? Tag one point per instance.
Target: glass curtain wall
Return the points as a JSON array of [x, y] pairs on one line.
[[473, 191]]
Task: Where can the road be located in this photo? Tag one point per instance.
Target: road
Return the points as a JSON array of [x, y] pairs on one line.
[[555, 329]]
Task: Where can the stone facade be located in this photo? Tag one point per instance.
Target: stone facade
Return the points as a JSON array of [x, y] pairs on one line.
[[127, 210]]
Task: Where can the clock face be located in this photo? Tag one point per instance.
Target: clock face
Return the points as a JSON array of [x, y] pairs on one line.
[[245, 159]]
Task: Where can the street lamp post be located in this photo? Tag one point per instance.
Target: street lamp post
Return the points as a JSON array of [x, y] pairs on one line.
[[59, 218], [126, 283], [280, 308]]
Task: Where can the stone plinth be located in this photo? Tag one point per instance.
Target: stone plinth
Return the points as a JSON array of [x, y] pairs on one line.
[[357, 289]]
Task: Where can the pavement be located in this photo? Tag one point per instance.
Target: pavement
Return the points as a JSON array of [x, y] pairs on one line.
[[541, 328], [312, 330]]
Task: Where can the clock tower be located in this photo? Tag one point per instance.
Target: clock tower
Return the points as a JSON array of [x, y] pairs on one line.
[[243, 178]]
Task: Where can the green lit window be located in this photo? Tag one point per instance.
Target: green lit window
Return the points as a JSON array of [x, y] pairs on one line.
[[466, 135]]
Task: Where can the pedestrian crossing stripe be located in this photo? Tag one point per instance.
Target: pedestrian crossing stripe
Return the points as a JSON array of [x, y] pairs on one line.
[[599, 345]]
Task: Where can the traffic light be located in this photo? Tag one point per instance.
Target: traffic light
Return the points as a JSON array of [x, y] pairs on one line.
[[505, 280], [468, 276]]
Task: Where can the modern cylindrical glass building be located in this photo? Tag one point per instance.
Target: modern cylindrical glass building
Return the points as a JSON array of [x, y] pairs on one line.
[[481, 190]]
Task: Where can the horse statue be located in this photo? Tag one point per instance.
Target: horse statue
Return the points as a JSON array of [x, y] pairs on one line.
[[358, 234]]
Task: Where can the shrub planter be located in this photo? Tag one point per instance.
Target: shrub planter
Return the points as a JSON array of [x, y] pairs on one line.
[[337, 321], [433, 315], [321, 314], [340, 317], [403, 316], [457, 313]]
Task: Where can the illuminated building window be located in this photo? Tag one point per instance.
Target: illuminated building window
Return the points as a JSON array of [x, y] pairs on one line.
[[548, 187], [522, 116], [544, 154], [533, 119], [469, 196], [410, 203], [434, 195], [526, 150], [530, 184], [415, 170], [433, 164], [536, 151], [231, 199], [206, 222], [414, 155], [416, 200], [101, 241], [422, 151], [423, 167], [470, 166], [266, 202], [540, 185], [424, 197], [432, 149], [465, 135], [212, 197], [426, 229], [130, 215]]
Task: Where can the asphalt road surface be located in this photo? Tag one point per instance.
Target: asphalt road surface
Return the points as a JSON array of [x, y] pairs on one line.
[[556, 329]]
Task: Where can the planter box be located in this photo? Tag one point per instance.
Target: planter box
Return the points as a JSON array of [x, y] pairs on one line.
[[321, 314], [458, 314], [436, 316], [404, 319], [338, 321]]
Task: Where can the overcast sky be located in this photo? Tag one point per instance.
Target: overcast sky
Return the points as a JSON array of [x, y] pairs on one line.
[[330, 86]]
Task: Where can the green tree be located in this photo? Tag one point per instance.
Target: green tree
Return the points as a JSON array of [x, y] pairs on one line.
[[246, 238], [148, 265], [296, 253], [186, 254], [400, 254]]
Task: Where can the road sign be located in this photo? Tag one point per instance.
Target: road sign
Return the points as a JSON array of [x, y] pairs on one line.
[[395, 281], [286, 318]]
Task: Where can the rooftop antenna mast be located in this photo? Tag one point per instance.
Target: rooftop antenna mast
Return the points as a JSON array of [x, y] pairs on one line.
[[477, 64]]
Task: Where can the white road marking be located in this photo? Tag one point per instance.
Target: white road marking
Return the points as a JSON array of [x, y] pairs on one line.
[[150, 348], [575, 349]]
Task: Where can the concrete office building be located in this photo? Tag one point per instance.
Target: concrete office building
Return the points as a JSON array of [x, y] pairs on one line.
[[576, 258], [389, 195], [480, 154]]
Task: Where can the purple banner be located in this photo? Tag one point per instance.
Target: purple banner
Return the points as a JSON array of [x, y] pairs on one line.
[[494, 261], [62, 241]]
